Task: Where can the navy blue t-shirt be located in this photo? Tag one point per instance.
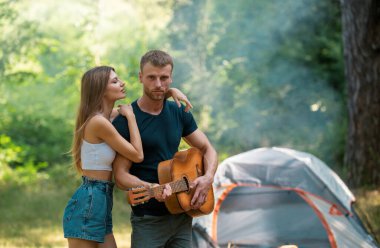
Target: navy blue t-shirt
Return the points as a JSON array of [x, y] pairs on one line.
[[160, 136]]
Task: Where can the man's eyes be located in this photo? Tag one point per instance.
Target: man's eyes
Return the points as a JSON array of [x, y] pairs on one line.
[[161, 78]]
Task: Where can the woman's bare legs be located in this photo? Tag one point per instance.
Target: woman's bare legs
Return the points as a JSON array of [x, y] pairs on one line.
[[81, 243], [109, 242]]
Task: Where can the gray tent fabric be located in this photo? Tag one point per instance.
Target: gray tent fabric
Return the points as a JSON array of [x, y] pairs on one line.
[[269, 197]]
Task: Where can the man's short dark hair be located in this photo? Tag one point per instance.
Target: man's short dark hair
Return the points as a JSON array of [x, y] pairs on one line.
[[157, 58]]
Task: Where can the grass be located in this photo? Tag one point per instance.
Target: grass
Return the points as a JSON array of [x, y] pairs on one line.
[[31, 212], [368, 209]]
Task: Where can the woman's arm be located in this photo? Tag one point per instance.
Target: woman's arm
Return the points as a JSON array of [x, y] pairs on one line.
[[178, 96], [127, 111], [105, 131]]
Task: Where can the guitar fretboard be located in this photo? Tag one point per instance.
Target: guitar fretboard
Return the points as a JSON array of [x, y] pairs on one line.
[[177, 186]]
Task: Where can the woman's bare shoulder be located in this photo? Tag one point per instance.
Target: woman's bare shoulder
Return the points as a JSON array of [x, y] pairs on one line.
[[98, 121]]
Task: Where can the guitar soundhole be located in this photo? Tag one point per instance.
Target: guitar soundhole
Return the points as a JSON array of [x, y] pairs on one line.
[[186, 180]]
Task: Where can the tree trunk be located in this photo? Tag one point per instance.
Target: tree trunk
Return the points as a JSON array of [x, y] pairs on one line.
[[361, 38]]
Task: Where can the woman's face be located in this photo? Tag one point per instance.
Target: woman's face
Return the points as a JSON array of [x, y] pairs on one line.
[[115, 88]]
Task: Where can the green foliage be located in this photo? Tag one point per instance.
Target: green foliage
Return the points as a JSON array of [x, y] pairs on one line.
[[272, 75], [318, 44], [37, 76], [9, 152], [259, 73], [25, 170], [41, 69]]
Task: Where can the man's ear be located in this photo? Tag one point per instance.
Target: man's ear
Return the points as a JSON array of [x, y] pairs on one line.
[[140, 76]]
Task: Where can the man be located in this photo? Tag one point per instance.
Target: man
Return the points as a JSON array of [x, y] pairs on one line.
[[162, 125]]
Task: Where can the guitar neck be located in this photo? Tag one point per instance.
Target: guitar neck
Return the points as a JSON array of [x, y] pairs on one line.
[[176, 186]]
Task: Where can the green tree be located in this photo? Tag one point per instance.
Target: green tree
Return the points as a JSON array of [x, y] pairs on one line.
[[44, 55], [264, 73], [39, 83]]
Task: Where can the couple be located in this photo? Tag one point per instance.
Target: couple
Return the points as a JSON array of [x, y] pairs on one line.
[[140, 136]]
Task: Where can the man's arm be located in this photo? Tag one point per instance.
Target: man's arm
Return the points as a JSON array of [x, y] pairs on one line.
[[210, 160], [125, 180]]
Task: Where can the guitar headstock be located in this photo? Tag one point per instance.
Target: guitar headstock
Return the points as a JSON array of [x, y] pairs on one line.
[[139, 195]]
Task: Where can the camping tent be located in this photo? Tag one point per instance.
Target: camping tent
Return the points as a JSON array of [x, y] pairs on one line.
[[270, 197]]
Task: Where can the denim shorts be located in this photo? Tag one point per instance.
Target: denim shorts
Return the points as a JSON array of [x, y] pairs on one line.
[[88, 214]]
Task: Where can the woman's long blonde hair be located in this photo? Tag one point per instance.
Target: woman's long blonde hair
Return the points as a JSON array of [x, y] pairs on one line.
[[93, 86]]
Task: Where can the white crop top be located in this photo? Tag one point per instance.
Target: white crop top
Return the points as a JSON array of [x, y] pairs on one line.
[[97, 156]]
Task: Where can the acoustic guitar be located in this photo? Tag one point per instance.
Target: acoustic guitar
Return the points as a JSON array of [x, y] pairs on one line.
[[179, 172]]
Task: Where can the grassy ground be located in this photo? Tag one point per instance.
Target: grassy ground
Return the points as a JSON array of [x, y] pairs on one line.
[[30, 213], [368, 209]]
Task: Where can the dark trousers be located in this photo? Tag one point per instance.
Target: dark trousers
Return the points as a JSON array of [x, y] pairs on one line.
[[161, 231]]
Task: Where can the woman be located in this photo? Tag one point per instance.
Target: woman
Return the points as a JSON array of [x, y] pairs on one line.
[[87, 219]]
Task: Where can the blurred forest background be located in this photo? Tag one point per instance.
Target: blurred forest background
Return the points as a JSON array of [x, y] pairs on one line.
[[259, 73]]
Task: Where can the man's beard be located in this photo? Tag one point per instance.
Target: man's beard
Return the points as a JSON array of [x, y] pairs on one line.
[[155, 96]]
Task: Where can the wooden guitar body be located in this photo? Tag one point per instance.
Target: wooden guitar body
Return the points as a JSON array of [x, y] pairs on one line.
[[186, 165]]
